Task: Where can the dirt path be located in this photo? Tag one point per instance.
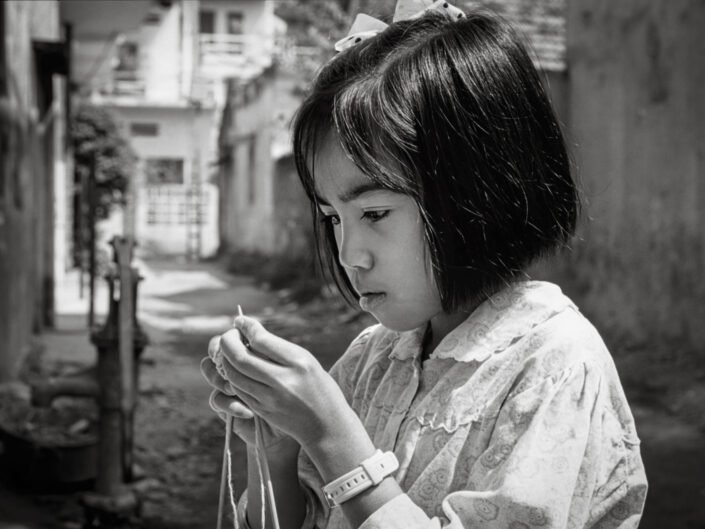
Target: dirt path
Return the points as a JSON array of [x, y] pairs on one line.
[[673, 450], [179, 441]]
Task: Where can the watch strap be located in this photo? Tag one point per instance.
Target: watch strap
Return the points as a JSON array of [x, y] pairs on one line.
[[370, 473]]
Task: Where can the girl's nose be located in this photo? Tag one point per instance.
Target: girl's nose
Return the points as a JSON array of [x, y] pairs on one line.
[[353, 253]]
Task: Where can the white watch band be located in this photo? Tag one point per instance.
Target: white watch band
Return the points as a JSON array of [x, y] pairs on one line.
[[370, 473]]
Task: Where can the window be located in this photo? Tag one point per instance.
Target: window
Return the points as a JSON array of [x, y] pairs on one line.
[[164, 171], [206, 22], [152, 18], [126, 75], [127, 57], [174, 205], [144, 129], [235, 23]]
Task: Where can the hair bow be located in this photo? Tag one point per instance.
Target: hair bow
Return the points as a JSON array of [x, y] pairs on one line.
[[366, 26]]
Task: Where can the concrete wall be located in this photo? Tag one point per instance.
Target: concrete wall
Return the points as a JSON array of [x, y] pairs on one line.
[[97, 28], [558, 88], [161, 57], [246, 180], [166, 53], [637, 115], [292, 212], [26, 183]]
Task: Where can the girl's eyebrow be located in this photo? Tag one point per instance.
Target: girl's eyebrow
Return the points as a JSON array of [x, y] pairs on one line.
[[354, 192]]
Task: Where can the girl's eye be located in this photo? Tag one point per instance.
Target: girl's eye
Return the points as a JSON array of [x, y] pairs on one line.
[[375, 215]]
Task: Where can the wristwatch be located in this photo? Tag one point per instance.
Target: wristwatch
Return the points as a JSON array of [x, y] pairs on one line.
[[371, 472]]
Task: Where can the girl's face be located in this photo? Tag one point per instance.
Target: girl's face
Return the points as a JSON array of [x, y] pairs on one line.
[[380, 241]]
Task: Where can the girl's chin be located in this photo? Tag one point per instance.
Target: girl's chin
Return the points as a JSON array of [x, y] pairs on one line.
[[397, 323]]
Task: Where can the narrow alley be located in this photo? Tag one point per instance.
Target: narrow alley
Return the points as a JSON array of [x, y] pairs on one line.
[[166, 124], [179, 440]]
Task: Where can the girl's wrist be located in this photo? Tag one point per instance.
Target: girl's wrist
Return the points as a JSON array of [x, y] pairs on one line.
[[340, 449], [283, 450]]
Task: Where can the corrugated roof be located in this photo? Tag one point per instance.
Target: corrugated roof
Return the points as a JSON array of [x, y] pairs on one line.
[[541, 21]]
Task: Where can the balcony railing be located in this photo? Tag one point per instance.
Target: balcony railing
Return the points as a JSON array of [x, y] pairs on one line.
[[128, 83], [224, 46], [245, 54]]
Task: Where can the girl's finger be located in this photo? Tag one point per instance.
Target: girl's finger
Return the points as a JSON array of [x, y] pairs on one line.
[[247, 361], [213, 347], [215, 354], [243, 428], [222, 403], [210, 373], [267, 344], [244, 386]]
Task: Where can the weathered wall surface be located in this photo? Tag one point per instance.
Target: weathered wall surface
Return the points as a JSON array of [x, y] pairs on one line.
[[637, 117], [246, 177], [26, 187], [294, 233]]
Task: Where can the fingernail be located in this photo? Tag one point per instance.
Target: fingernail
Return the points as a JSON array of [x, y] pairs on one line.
[[241, 413]]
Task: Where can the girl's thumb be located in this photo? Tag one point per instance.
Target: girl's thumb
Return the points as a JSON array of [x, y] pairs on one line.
[[250, 329]]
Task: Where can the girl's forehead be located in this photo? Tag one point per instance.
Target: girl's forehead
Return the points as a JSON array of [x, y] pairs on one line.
[[335, 173], [345, 186], [331, 157]]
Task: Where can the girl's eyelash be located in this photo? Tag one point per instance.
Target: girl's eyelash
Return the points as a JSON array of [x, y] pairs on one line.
[[373, 216], [376, 215]]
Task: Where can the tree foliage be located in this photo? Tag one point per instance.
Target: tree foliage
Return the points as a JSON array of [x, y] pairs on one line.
[[100, 152], [103, 164], [316, 23]]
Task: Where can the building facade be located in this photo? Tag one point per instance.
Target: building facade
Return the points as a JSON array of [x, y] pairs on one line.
[[33, 65], [151, 77], [262, 206]]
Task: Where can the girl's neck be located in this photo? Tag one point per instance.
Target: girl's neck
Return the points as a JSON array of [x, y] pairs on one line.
[[439, 327]]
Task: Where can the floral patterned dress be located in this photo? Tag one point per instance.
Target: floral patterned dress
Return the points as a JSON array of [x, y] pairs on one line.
[[517, 420]]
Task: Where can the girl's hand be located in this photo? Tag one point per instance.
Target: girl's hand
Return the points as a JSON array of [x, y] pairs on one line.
[[224, 402], [282, 383]]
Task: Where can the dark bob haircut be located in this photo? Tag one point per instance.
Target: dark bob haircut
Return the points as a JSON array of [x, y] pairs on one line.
[[453, 114]]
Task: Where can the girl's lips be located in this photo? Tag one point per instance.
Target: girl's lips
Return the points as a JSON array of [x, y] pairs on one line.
[[371, 300]]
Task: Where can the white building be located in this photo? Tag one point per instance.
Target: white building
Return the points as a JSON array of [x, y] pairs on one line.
[[164, 81]]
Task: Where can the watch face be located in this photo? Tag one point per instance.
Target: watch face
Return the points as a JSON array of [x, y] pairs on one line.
[[330, 500]]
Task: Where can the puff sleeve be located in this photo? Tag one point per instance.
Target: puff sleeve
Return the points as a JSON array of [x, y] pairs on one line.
[[559, 457]]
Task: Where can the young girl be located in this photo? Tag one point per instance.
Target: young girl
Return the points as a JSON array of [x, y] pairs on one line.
[[437, 173]]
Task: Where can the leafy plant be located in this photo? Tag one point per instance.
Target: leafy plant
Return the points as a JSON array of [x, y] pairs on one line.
[[103, 163], [102, 154]]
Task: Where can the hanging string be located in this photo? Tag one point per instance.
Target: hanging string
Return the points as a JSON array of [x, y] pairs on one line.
[[264, 473], [258, 445], [266, 489], [225, 473]]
